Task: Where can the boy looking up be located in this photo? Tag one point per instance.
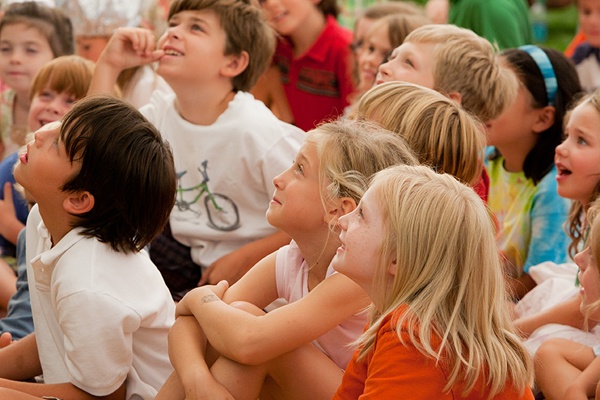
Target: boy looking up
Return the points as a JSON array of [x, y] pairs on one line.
[[227, 146], [104, 183]]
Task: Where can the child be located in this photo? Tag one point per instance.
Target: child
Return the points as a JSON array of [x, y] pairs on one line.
[[93, 23], [460, 65], [56, 86], [585, 55], [227, 145], [314, 58], [325, 182], [443, 135], [556, 314], [422, 246], [31, 34], [455, 62], [523, 195], [565, 369], [384, 36], [100, 308]]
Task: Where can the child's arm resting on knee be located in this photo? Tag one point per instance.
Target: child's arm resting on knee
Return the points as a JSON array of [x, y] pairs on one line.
[[250, 339], [127, 48], [565, 313]]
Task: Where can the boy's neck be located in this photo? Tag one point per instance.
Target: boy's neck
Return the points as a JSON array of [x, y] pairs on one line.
[[58, 223], [309, 32], [199, 107]]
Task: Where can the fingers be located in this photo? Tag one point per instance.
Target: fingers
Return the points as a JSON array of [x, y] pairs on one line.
[[8, 195], [5, 339]]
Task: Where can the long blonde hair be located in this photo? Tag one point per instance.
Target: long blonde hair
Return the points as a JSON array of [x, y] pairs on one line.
[[438, 130], [449, 276]]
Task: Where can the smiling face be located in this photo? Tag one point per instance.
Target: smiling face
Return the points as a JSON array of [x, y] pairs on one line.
[[44, 166], [23, 51], [48, 106], [289, 17], [589, 20], [376, 50], [296, 206], [193, 37], [362, 238], [577, 158], [410, 62]]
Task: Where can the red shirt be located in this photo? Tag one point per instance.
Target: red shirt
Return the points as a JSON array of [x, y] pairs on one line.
[[396, 371], [317, 83]]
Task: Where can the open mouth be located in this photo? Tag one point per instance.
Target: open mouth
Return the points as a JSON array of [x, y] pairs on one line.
[[172, 52]]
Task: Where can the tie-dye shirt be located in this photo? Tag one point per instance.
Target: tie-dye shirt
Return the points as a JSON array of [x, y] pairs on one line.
[[529, 217]]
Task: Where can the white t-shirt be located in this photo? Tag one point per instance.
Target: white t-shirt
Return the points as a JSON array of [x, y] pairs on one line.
[[241, 153], [100, 316]]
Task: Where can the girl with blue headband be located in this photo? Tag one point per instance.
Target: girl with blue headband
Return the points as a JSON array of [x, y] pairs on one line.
[[520, 162]]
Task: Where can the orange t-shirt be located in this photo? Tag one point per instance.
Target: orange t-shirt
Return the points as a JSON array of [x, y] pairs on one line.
[[395, 371]]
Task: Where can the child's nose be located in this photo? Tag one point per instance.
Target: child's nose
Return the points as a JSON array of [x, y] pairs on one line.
[[278, 181]]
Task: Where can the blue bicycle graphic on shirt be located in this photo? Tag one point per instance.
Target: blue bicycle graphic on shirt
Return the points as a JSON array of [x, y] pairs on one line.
[[222, 212]]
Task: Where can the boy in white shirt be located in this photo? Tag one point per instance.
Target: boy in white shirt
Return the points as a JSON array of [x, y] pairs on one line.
[[227, 145], [104, 183]]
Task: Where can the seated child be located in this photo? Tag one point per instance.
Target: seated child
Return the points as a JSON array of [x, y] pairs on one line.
[[227, 145], [101, 309], [422, 246], [523, 188], [586, 54], [259, 354], [31, 34], [566, 369], [460, 65], [443, 135]]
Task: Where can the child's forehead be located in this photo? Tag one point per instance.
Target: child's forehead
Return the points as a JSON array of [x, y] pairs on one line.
[[201, 14]]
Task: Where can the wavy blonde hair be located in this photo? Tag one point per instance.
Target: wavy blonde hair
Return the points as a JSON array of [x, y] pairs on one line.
[[468, 64], [351, 152], [448, 274], [440, 132]]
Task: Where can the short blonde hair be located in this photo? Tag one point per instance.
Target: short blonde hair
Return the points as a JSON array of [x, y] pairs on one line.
[[468, 64], [70, 74], [442, 134], [448, 275], [351, 152]]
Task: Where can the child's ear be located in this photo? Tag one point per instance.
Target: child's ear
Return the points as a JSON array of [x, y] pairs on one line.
[[341, 207], [456, 97], [79, 202], [545, 119], [236, 65], [392, 268]]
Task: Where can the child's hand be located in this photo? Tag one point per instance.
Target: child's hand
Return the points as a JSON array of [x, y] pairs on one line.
[[10, 226], [130, 47], [231, 267], [5, 340], [200, 296]]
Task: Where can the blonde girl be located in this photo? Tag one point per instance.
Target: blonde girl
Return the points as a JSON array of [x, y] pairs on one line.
[[566, 369], [422, 246], [272, 353], [438, 130]]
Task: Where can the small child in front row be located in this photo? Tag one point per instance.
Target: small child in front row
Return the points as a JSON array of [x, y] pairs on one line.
[[104, 183], [422, 246], [299, 350], [520, 162]]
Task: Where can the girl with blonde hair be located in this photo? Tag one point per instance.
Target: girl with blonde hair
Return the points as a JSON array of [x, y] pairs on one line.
[[442, 134], [422, 246], [256, 353]]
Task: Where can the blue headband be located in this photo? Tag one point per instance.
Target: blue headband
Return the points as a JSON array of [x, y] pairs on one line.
[[545, 67]]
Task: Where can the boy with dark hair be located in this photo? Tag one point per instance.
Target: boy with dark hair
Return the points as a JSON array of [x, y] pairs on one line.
[[227, 145], [104, 183]]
